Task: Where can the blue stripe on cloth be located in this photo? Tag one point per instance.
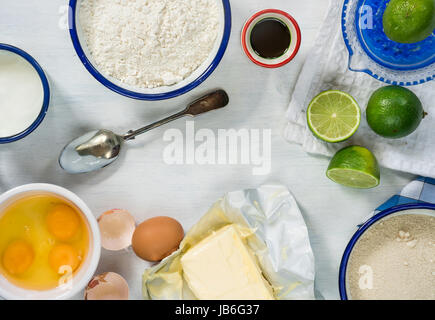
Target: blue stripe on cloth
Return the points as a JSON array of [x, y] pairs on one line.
[[425, 192], [428, 192], [427, 180], [395, 201]]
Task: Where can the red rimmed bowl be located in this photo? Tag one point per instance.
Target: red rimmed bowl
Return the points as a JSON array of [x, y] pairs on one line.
[[289, 54]]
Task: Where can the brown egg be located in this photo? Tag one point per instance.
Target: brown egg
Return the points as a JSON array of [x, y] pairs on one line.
[[156, 238]]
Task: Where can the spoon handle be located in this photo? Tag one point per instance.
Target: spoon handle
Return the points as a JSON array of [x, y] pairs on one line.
[[215, 100], [133, 133], [212, 101]]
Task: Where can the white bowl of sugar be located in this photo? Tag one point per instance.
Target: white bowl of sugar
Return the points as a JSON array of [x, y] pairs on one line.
[[24, 94]]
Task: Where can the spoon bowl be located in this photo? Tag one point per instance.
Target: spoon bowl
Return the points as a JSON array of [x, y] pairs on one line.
[[73, 161]]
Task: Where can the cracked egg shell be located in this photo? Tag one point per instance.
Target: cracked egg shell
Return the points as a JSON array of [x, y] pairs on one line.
[[117, 227], [107, 286], [156, 238]]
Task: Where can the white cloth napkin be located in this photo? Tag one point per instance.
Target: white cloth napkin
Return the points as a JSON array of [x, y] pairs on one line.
[[326, 68]]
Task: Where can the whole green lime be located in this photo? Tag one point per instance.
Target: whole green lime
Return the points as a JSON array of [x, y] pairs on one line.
[[394, 112], [409, 21]]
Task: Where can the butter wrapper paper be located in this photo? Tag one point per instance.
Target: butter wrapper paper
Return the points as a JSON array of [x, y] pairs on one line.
[[271, 224]]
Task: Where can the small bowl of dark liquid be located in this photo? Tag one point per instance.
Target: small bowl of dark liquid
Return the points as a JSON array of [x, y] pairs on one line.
[[271, 38]]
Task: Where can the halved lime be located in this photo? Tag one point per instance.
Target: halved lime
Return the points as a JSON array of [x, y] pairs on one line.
[[354, 167], [333, 116]]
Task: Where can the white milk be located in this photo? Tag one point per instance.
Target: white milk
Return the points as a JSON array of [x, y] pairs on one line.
[[21, 94]]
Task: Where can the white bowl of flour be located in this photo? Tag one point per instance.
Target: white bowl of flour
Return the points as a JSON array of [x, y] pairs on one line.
[[24, 94], [392, 256], [150, 49]]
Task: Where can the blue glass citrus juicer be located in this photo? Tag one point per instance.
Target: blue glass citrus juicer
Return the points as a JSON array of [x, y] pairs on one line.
[[372, 52]]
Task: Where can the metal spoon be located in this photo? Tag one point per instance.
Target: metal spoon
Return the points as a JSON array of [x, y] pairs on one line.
[[99, 148]]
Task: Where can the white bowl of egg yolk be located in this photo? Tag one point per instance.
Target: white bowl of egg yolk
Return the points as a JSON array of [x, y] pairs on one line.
[[49, 243]]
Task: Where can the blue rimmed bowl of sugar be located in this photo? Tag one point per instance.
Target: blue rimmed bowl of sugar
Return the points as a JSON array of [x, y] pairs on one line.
[[391, 256]]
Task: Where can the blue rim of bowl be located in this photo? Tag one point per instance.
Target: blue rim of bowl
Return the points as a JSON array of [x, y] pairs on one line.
[[374, 57], [368, 71], [145, 96], [360, 232], [45, 86]]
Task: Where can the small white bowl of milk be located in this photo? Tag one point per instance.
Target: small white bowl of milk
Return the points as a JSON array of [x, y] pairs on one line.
[[24, 94]]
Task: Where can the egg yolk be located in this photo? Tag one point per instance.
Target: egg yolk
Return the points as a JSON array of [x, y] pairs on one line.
[[63, 255], [18, 257], [63, 222]]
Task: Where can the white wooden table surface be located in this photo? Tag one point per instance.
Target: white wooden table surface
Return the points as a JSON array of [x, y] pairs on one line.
[[141, 182]]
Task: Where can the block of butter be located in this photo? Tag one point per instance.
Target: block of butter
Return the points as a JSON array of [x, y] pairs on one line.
[[220, 267], [251, 244]]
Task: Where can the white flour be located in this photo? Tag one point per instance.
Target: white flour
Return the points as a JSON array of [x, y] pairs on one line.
[[149, 43]]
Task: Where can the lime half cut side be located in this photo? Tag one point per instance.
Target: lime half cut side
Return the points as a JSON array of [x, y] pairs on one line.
[[333, 116], [354, 167], [353, 178]]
